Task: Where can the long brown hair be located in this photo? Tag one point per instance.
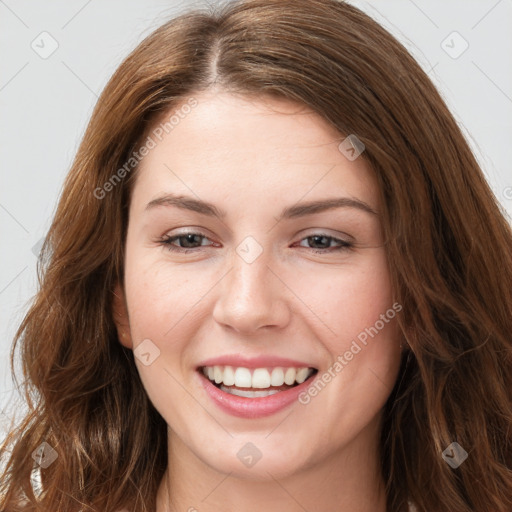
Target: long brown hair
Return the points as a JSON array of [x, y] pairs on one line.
[[449, 250]]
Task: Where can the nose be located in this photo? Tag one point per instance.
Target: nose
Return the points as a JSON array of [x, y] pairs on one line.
[[252, 296]]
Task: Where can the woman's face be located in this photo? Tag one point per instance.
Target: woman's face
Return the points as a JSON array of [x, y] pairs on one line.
[[265, 282]]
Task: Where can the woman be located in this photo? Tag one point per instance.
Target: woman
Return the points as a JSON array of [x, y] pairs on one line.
[[276, 280]]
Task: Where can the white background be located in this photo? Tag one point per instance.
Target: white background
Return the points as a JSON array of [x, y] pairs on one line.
[[46, 103]]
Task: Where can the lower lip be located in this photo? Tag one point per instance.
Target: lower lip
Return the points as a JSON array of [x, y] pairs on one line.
[[253, 407]]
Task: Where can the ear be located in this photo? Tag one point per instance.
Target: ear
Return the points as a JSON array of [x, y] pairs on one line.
[[120, 313]]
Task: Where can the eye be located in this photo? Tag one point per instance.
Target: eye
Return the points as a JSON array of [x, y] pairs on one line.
[[191, 242], [187, 241], [325, 240]]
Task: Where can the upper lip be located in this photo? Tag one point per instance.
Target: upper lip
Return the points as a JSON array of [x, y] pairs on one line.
[[262, 361]]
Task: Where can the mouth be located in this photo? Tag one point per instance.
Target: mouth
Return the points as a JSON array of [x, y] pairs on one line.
[[256, 383]]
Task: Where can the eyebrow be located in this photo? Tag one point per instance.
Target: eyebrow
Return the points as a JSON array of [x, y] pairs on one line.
[[291, 212]]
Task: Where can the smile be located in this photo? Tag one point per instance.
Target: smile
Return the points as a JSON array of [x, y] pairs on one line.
[[250, 382], [254, 392]]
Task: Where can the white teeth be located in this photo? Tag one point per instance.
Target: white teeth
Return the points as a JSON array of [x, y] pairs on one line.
[[218, 374], [248, 394], [258, 378], [242, 378], [277, 378], [289, 376], [302, 375], [229, 376]]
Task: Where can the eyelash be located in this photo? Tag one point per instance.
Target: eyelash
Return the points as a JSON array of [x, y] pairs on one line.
[[167, 242]]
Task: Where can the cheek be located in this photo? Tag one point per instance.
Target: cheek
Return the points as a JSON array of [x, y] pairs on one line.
[[364, 350], [346, 299], [161, 308], [356, 323], [160, 299]]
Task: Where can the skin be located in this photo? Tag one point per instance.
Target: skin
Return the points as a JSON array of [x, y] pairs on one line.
[[252, 158]]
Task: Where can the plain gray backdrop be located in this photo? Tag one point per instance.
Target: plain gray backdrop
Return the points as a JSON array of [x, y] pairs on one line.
[[56, 56]]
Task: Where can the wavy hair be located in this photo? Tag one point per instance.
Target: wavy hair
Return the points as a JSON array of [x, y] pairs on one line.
[[449, 251]]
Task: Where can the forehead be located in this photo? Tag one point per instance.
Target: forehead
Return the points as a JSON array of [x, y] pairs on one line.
[[250, 149]]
